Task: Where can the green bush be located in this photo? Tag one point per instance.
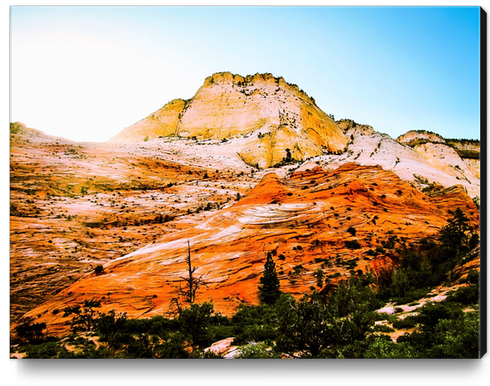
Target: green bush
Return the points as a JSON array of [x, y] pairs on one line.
[[259, 350], [410, 296], [445, 331], [473, 277], [254, 323], [465, 295], [382, 328], [15, 127], [50, 350], [194, 322], [29, 332], [383, 347]]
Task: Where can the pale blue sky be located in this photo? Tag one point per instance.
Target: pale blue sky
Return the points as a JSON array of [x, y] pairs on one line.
[[85, 73]]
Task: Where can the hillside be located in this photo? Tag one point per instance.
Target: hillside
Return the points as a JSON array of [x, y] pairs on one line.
[[304, 220], [457, 157]]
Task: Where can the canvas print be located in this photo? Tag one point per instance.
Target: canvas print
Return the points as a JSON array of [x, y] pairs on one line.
[[245, 182]]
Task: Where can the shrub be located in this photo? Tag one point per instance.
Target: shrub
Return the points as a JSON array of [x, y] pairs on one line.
[[465, 295], [353, 244], [408, 322], [50, 350], [473, 277], [194, 322], [319, 274], [259, 350], [352, 231], [445, 332], [383, 347], [29, 332], [382, 328], [85, 317], [14, 127], [254, 323]]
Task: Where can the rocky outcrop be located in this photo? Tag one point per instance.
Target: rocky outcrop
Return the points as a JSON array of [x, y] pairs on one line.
[[416, 137], [427, 161], [456, 159], [179, 175], [265, 114], [74, 206]]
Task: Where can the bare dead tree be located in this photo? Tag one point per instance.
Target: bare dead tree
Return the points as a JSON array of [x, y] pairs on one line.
[[192, 283], [175, 308]]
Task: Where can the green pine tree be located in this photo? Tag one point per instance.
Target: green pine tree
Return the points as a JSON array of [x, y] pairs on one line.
[[269, 291], [455, 235]]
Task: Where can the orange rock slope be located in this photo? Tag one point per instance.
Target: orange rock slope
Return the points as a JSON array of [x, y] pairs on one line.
[[76, 205], [302, 219]]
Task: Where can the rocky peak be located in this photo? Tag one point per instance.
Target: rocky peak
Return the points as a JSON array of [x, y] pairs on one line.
[[265, 116]]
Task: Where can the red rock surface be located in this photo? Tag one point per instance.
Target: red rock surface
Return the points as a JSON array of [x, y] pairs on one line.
[[76, 205], [302, 219]]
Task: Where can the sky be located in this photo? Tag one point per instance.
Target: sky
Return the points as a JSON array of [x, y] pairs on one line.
[[86, 73]]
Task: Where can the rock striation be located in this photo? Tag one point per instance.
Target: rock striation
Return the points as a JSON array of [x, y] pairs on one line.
[[425, 162], [305, 220], [458, 159]]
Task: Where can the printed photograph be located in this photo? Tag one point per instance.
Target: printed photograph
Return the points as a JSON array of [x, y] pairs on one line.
[[238, 182]]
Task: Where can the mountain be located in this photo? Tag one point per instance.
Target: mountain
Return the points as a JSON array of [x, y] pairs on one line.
[[267, 115], [459, 157], [268, 122], [249, 165]]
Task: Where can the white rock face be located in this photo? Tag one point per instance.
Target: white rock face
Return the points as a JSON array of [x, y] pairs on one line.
[[474, 166], [223, 348], [435, 162]]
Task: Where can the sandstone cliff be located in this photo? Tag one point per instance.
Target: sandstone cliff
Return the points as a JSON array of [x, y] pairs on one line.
[[268, 114], [131, 205]]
